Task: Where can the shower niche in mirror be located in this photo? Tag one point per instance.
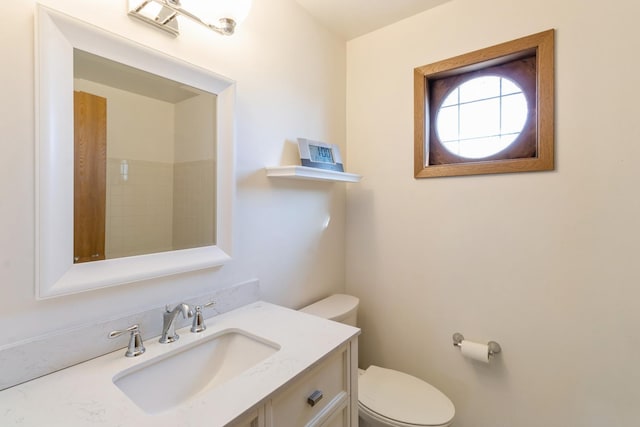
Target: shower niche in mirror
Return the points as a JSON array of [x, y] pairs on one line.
[[135, 161]]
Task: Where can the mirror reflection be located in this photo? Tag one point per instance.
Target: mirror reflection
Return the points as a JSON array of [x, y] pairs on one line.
[[145, 167]]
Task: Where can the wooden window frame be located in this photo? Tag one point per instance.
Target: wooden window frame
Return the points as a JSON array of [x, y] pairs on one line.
[[540, 45]]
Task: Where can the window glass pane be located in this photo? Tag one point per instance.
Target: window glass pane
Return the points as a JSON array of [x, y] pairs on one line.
[[481, 128], [451, 99], [508, 139], [509, 86], [447, 123], [479, 119], [514, 113], [480, 88], [453, 147], [482, 147]]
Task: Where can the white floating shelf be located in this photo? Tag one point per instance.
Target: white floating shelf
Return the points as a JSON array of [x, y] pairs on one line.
[[304, 172]]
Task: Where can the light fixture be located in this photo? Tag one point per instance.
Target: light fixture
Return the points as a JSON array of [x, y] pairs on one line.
[[221, 16]]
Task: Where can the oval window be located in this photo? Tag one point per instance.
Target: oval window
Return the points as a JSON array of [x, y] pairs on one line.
[[481, 117]]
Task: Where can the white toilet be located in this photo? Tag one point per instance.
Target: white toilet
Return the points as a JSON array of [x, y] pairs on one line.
[[387, 397]]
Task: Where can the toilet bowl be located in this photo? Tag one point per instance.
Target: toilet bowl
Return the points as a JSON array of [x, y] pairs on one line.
[[387, 398]]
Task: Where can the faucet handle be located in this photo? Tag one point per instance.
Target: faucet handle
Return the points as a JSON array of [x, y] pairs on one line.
[[198, 320], [136, 346]]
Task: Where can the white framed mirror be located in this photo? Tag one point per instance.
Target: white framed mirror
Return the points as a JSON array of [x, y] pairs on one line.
[[59, 40]]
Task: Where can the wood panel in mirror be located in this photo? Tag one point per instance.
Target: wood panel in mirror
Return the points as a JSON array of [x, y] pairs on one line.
[[90, 185]]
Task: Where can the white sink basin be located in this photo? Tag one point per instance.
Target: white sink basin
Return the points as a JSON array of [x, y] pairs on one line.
[[168, 380]]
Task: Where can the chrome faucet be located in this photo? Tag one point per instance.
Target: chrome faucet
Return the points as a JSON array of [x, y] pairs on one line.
[[169, 322]]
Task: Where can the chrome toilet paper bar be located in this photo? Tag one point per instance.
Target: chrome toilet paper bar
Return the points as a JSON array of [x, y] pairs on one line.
[[494, 347]]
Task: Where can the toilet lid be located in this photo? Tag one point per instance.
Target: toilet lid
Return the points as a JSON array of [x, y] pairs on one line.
[[403, 398]]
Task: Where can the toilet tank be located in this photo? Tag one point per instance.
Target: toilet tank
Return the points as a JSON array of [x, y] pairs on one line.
[[337, 307]]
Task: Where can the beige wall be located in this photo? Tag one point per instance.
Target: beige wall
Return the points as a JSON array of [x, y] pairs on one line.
[[290, 82], [195, 129], [193, 201], [544, 263]]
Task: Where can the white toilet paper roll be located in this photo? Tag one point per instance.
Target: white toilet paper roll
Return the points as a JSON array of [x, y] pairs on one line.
[[475, 351]]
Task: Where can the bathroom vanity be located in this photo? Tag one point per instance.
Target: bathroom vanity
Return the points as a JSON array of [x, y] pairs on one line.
[[258, 365]]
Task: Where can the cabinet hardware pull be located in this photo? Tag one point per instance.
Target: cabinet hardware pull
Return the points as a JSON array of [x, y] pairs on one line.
[[315, 397]]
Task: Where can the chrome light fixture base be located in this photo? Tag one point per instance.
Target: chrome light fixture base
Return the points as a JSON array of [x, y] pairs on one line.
[[166, 18]]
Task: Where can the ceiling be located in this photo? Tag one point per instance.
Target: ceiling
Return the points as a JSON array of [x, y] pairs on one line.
[[353, 18]]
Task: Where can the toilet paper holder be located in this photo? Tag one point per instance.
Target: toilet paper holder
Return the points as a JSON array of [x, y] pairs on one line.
[[494, 347]]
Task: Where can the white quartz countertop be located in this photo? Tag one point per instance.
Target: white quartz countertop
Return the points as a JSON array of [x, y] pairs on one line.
[[84, 394]]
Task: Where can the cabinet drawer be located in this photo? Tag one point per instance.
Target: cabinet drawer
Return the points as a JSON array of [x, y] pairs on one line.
[[292, 408]]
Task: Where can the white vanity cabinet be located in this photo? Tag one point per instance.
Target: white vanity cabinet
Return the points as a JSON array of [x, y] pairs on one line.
[[308, 357], [325, 395]]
